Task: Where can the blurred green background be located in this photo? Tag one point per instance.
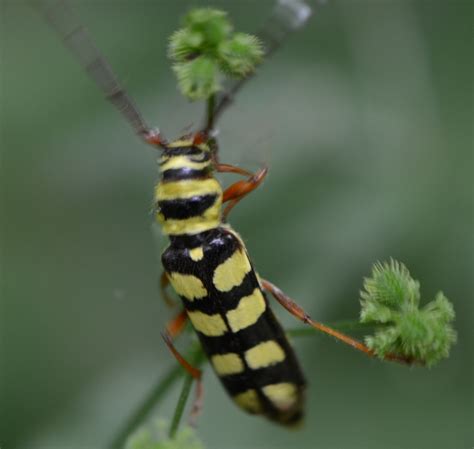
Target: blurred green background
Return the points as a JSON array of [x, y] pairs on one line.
[[365, 118]]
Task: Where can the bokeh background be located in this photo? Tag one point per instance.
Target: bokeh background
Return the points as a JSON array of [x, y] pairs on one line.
[[365, 118]]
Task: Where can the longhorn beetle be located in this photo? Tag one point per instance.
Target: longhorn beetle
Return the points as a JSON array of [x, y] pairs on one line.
[[206, 261]]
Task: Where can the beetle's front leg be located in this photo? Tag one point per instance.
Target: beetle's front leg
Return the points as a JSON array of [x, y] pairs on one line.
[[235, 192]]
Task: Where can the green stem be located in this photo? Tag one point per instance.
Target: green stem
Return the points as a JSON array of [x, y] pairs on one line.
[[178, 412], [339, 325], [197, 357], [210, 113], [150, 401]]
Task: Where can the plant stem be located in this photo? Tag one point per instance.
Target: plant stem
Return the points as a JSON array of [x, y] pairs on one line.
[[196, 357], [340, 325], [178, 412], [210, 113], [150, 401]]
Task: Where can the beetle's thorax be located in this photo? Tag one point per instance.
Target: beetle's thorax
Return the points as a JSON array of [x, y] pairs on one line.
[[188, 198]]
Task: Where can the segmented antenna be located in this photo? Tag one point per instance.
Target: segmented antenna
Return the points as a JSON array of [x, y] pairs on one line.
[[286, 17], [63, 19]]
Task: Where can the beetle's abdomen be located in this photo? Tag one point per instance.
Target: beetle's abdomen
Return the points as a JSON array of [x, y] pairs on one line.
[[243, 340]]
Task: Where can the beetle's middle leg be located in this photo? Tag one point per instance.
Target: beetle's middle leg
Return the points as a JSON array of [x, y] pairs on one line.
[[172, 331], [164, 284]]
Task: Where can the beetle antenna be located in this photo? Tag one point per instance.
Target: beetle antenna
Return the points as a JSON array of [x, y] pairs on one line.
[[286, 17], [63, 19]]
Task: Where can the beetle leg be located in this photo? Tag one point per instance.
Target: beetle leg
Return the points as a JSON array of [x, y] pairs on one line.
[[299, 313], [164, 283], [173, 329], [235, 192], [227, 168]]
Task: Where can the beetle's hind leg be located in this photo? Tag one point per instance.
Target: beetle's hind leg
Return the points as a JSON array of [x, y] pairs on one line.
[[299, 313], [173, 329]]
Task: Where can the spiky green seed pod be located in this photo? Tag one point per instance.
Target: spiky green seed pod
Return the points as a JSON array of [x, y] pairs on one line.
[[206, 49], [391, 297]]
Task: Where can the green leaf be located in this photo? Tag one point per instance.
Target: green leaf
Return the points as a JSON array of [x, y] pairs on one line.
[[391, 298], [184, 44], [212, 24], [391, 285], [241, 54], [197, 79]]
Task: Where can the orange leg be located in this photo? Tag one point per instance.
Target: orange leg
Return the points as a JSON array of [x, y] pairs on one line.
[[235, 192], [176, 325], [173, 329], [227, 168], [164, 283], [299, 313]]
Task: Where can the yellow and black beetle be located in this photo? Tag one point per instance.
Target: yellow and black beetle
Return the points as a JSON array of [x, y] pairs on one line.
[[206, 262]]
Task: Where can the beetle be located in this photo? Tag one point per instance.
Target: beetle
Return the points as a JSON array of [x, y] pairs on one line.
[[206, 262]]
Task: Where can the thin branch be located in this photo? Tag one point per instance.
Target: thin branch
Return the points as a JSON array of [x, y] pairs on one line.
[[286, 18], [144, 409], [179, 410], [348, 325], [156, 393], [197, 356], [210, 113]]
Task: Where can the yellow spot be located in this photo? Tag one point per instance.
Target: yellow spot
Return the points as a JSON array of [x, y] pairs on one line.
[[225, 364], [231, 273], [176, 162], [196, 254], [187, 285], [282, 395], [247, 312], [264, 354], [180, 143], [210, 325], [186, 189], [249, 401]]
